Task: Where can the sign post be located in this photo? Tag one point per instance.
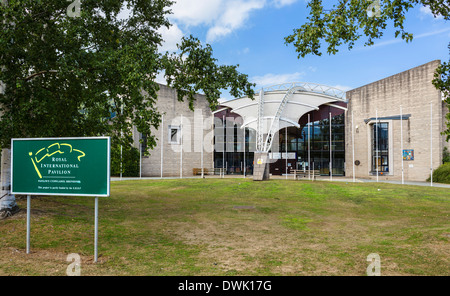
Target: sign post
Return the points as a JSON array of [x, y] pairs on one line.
[[96, 231], [61, 167], [28, 222]]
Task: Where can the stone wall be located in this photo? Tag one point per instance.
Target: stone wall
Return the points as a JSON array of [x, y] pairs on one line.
[[414, 92], [195, 125]]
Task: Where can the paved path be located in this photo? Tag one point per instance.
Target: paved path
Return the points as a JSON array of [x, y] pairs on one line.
[[399, 182], [291, 177]]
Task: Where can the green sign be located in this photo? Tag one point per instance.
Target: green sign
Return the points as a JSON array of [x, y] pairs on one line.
[[61, 166]]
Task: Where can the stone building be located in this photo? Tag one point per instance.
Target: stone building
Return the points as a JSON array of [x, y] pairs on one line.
[[369, 132], [408, 101], [180, 127]]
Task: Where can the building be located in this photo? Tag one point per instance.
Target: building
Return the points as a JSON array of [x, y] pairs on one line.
[[388, 129], [410, 114], [180, 128], [293, 124]]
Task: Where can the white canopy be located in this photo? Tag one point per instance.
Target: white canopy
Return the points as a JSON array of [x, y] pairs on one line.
[[281, 106]]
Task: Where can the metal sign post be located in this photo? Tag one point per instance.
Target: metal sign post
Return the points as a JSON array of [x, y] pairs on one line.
[[96, 230], [28, 222]]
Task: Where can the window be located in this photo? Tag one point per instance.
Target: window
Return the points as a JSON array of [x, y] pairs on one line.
[[174, 134], [143, 143], [380, 147]]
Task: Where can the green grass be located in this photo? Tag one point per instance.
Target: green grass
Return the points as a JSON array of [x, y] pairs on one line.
[[235, 227]]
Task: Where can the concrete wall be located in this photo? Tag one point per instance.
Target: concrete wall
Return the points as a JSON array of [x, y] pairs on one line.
[[413, 90], [195, 124]]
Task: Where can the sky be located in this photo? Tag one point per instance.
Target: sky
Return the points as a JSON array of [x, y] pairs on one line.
[[250, 33]]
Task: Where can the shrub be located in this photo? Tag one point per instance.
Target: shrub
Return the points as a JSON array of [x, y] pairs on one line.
[[445, 155], [442, 174], [130, 161]]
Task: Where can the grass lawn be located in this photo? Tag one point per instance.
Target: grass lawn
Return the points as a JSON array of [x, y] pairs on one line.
[[235, 227]]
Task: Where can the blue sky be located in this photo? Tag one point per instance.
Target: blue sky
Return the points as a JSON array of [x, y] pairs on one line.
[[251, 33]]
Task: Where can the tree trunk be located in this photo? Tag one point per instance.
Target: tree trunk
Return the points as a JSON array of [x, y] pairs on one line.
[[8, 204]]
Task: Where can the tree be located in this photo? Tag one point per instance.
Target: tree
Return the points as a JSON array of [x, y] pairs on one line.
[[351, 20], [442, 82], [77, 69], [194, 69]]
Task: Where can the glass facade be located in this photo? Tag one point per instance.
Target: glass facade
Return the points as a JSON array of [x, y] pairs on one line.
[[318, 157], [233, 162], [380, 147], [233, 146], [229, 144]]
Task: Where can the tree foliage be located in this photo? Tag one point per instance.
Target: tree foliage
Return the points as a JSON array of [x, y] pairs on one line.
[[94, 74], [442, 82], [351, 20], [200, 72], [124, 159]]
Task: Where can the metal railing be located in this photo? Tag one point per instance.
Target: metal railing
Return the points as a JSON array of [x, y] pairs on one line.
[[308, 86]]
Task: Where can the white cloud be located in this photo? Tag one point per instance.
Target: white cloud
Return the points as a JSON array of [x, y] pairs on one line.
[[281, 3], [425, 11], [272, 79], [219, 17], [415, 37], [432, 33], [171, 37], [234, 15], [216, 32], [196, 12]]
